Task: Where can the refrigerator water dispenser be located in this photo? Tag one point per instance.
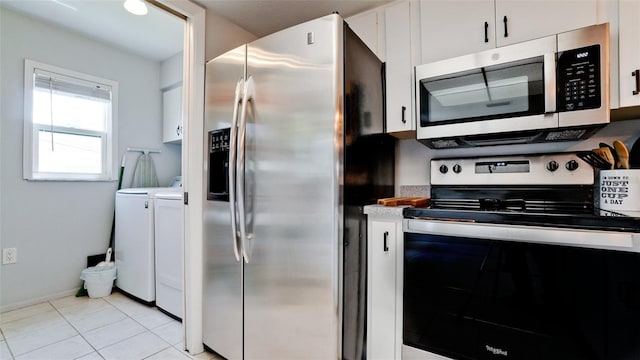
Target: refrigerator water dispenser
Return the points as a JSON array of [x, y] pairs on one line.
[[218, 181]]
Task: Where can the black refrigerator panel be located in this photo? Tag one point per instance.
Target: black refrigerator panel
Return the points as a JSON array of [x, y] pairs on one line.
[[368, 174], [369, 152], [218, 162]]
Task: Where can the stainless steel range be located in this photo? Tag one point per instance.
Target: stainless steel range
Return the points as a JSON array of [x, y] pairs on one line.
[[510, 262]]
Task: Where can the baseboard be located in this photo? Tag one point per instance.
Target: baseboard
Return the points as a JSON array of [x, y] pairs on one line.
[[21, 304]]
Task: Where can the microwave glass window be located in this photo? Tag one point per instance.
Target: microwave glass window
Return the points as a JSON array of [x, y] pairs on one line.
[[500, 91]]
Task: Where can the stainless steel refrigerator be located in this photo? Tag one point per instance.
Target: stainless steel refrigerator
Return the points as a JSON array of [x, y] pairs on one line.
[[295, 148]]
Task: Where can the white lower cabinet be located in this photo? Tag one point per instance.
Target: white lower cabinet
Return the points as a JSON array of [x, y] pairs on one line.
[[384, 288]]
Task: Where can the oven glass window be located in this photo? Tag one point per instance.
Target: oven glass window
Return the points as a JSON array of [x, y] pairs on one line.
[[482, 299], [500, 91]]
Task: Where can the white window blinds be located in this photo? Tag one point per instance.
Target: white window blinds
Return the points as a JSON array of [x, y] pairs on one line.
[[49, 81]]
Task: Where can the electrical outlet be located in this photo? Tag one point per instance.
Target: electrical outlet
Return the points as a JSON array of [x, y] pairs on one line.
[[9, 256]]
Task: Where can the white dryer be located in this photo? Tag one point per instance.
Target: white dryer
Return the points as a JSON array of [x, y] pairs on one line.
[[135, 241], [169, 229]]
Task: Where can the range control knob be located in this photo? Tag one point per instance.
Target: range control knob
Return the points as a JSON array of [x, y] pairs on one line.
[[457, 168], [444, 169], [552, 166], [572, 165]]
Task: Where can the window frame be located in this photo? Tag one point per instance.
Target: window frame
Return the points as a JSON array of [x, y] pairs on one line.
[[31, 130]]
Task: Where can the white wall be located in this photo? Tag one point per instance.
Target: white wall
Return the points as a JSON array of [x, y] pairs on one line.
[[223, 35], [171, 71], [56, 225], [412, 158]]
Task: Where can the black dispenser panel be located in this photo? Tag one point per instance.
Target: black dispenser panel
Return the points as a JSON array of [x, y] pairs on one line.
[[218, 177]]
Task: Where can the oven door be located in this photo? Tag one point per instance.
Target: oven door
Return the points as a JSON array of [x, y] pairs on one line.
[[472, 292], [506, 89]]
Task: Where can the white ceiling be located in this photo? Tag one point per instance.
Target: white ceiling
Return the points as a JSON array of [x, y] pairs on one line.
[[156, 36], [159, 35]]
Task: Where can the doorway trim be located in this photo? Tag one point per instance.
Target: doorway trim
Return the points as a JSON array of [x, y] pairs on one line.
[[192, 160]]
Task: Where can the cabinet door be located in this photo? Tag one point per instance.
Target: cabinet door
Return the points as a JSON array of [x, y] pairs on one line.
[[629, 52], [454, 28], [532, 19], [382, 290], [365, 25], [172, 115], [399, 76]]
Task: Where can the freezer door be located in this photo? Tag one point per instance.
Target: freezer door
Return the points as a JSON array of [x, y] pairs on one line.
[[222, 323], [292, 160]]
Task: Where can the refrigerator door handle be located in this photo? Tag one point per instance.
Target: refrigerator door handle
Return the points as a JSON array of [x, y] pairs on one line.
[[245, 237], [232, 169]]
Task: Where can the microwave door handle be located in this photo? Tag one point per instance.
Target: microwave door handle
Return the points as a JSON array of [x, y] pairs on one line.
[[232, 168], [549, 83]]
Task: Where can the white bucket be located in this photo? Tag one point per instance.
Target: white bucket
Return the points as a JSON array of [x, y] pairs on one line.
[[98, 280], [619, 193]]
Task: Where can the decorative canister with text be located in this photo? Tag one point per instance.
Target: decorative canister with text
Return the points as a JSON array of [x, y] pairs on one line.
[[619, 193]]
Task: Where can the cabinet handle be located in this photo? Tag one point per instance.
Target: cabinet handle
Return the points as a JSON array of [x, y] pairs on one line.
[[486, 32], [404, 110], [178, 130], [504, 20], [386, 239], [637, 75]]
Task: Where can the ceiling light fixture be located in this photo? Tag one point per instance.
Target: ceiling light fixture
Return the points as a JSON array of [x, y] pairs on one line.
[[136, 7]]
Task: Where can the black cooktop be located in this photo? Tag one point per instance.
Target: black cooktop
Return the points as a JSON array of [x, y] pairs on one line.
[[573, 221]]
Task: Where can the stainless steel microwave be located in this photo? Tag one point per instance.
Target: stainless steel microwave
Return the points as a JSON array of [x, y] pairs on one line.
[[554, 88]]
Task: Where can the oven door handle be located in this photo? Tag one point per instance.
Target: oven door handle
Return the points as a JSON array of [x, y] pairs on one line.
[[549, 83], [535, 234]]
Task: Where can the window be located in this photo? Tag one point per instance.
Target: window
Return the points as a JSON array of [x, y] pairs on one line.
[[69, 126]]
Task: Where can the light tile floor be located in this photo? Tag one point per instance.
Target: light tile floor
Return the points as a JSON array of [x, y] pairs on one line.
[[111, 328]]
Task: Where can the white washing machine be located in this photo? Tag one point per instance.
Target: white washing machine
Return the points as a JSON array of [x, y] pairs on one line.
[[169, 240], [135, 241]]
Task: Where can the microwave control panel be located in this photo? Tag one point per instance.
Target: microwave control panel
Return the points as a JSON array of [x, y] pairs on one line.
[[579, 79]]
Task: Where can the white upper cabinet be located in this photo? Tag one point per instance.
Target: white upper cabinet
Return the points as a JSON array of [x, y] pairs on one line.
[[392, 32], [365, 25], [454, 28], [629, 52], [171, 86], [172, 115], [399, 67], [532, 19]]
